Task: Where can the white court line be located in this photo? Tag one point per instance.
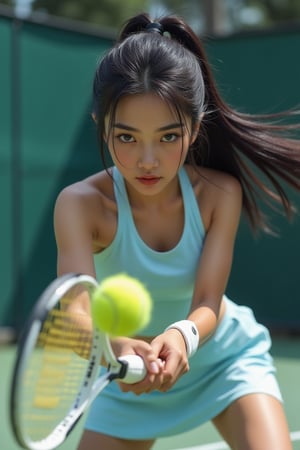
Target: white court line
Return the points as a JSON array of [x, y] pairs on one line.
[[295, 436], [213, 446]]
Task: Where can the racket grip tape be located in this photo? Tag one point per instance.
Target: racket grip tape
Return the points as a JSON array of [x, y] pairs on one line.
[[133, 369]]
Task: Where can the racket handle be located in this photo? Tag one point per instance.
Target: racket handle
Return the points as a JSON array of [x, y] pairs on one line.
[[134, 369]]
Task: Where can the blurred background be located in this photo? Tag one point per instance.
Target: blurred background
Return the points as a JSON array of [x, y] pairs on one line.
[[48, 53], [212, 16], [49, 50]]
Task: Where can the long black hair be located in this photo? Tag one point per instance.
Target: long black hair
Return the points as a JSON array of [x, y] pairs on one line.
[[171, 62]]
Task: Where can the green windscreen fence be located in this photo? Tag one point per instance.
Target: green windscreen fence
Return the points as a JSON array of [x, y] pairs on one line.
[[47, 141], [6, 160]]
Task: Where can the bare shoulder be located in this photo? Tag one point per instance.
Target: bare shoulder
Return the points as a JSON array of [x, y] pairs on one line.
[[213, 181], [86, 210], [218, 194], [94, 190]]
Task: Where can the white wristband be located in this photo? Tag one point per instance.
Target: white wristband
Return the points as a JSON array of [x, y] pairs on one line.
[[190, 334]]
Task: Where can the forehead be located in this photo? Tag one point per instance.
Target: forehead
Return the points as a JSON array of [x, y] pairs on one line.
[[147, 109]]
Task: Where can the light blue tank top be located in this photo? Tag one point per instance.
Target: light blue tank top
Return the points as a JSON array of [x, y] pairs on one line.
[[169, 275]]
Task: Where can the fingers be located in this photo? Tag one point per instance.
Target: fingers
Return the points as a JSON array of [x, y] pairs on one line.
[[175, 365], [162, 381], [171, 348], [166, 361], [151, 382], [152, 363]]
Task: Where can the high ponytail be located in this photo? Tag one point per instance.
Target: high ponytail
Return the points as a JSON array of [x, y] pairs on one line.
[[135, 25]]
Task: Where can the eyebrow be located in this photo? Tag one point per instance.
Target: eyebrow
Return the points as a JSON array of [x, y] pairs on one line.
[[170, 126]]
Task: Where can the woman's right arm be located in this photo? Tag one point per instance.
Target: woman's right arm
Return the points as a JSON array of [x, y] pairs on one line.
[[74, 232], [74, 229], [74, 252]]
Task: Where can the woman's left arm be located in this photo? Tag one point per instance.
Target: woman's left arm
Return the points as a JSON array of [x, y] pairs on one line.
[[225, 195], [216, 259]]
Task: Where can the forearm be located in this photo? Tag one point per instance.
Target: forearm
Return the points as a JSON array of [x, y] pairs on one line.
[[206, 320]]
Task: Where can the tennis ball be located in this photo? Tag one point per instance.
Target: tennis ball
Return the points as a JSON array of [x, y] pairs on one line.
[[121, 305]]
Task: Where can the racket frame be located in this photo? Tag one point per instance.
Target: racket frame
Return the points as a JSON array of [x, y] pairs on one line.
[[90, 387]]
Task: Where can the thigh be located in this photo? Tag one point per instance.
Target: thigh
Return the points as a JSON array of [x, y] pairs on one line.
[[254, 422], [96, 441]]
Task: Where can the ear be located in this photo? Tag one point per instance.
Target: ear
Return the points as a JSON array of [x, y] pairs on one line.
[[196, 128], [94, 117]]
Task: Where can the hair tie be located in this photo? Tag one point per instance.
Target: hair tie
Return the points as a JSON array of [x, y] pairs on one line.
[[154, 27]]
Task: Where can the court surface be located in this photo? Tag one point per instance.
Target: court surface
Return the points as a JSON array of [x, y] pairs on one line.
[[286, 352]]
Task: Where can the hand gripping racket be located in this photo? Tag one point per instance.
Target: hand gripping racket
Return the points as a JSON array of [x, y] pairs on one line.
[[56, 374]]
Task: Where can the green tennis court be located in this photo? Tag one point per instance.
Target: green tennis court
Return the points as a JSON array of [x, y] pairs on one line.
[[286, 352]]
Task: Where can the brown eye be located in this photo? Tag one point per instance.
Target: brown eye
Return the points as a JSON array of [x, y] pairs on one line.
[[171, 137], [125, 138]]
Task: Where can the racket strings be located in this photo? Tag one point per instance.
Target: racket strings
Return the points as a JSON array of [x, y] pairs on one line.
[[55, 371]]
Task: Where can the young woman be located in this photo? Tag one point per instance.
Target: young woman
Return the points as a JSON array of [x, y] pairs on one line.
[[167, 213]]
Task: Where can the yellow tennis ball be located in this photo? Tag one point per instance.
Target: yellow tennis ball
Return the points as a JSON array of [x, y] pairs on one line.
[[121, 305]]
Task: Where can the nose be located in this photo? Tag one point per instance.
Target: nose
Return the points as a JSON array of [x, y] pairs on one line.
[[148, 159]]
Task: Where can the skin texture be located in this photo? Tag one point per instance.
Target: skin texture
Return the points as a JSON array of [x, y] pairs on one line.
[[149, 145]]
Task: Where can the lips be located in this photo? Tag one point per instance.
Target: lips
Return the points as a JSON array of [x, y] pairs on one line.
[[148, 180]]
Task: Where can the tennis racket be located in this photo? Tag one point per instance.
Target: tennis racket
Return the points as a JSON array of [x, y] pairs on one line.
[[56, 373]]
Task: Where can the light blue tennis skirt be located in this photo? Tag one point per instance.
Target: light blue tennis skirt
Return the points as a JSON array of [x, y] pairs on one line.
[[234, 362]]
